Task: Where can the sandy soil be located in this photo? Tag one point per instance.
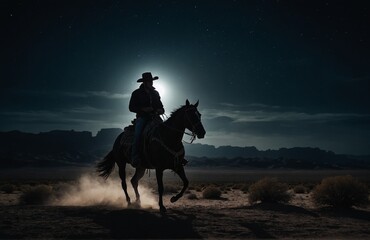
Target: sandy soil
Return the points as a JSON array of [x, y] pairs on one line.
[[229, 217]]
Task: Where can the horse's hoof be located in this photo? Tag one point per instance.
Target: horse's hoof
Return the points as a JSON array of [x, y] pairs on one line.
[[174, 199], [162, 209]]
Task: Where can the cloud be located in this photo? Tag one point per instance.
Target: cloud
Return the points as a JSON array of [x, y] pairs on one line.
[[87, 110], [56, 115], [101, 94], [271, 128], [229, 105], [339, 140], [30, 115], [277, 116], [79, 118], [248, 106], [109, 95], [261, 141]]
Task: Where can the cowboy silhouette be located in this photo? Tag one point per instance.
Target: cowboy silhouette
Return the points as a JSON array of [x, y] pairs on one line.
[[146, 103]]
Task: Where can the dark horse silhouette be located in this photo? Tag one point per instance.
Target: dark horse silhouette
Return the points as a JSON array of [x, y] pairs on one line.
[[164, 151]]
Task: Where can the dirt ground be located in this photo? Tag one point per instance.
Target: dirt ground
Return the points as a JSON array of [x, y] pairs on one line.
[[231, 216]]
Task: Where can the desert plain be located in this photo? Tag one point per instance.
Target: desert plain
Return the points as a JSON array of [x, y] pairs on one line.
[[83, 206]]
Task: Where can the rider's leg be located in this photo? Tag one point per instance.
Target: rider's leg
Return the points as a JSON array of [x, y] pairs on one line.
[[139, 127]]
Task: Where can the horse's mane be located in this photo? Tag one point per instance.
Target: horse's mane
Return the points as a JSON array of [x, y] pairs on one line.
[[175, 112]]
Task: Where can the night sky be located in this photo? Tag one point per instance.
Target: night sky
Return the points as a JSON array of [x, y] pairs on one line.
[[268, 74]]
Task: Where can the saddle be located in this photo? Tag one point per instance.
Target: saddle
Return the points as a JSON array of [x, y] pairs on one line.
[[127, 139]]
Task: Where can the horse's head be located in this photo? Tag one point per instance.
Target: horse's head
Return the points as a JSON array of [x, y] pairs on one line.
[[193, 119]]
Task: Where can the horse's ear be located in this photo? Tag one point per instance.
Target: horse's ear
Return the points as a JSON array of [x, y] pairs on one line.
[[187, 103], [196, 104]]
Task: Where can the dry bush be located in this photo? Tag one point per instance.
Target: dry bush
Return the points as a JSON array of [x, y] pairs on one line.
[[237, 186], [169, 189], [341, 192], [244, 188], [8, 188], [300, 189], [192, 196], [269, 190], [211, 192], [191, 187], [61, 189], [222, 188], [310, 186], [37, 195]]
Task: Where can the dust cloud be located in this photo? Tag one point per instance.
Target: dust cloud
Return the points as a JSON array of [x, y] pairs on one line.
[[90, 190]]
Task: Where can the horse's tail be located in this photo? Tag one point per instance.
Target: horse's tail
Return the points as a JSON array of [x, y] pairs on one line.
[[105, 167]]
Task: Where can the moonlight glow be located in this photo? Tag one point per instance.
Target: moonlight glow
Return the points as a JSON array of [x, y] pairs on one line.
[[165, 91], [161, 88], [166, 85]]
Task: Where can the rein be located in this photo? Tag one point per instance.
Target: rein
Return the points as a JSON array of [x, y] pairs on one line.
[[192, 134], [181, 151], [176, 154]]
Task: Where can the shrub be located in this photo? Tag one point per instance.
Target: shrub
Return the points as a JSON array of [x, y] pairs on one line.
[[237, 186], [211, 192], [341, 192], [245, 188], [299, 189], [169, 189], [61, 189], [192, 196], [37, 195], [269, 190], [8, 188]]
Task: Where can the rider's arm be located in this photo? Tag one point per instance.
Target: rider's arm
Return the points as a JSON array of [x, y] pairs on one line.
[[134, 105]]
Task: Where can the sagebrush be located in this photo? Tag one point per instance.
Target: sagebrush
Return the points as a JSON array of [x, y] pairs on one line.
[[300, 189], [211, 192], [8, 188], [38, 195], [341, 192], [269, 190], [192, 196]]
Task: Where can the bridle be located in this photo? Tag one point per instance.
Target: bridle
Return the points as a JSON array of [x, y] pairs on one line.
[[193, 127]]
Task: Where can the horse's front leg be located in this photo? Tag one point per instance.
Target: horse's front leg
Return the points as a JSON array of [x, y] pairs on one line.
[[181, 173], [159, 175]]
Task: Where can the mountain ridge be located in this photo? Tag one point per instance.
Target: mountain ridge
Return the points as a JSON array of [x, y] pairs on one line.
[[79, 148]]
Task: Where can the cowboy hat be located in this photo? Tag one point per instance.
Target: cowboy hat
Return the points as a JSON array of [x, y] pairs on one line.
[[147, 76]]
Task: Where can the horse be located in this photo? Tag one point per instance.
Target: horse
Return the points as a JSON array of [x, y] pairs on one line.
[[164, 151]]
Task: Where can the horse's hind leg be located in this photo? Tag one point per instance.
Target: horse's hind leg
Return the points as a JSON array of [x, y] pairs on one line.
[[139, 173], [122, 175]]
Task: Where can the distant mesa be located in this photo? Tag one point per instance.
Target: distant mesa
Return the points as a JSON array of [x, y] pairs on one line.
[[81, 148], [107, 135]]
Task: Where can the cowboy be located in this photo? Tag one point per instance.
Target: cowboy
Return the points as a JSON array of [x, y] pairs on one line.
[[146, 103]]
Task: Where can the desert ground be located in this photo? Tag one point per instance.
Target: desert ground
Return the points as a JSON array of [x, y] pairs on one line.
[[87, 207]]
